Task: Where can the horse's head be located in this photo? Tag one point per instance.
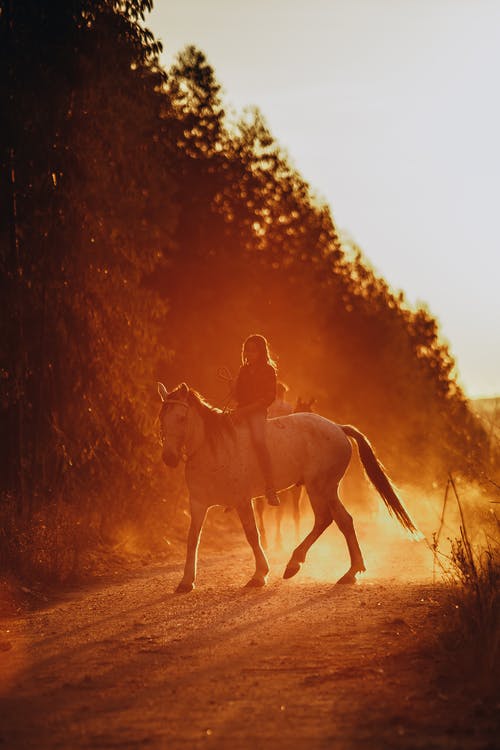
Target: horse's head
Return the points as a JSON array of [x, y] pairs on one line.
[[173, 422]]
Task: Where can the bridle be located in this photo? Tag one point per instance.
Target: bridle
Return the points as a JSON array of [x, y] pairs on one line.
[[175, 433]]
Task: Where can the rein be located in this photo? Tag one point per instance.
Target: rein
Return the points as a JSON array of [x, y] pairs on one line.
[[224, 374]]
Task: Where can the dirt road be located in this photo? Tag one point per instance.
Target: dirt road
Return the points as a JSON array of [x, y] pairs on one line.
[[300, 664]]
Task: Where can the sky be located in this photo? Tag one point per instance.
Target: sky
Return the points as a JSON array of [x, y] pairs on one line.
[[390, 110]]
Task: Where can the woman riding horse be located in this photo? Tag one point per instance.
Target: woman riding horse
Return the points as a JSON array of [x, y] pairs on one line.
[[222, 469]]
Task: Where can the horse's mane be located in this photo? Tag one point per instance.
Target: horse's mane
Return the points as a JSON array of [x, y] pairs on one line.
[[216, 422]]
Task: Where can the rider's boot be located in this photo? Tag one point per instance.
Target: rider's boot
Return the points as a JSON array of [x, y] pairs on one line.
[[271, 496]]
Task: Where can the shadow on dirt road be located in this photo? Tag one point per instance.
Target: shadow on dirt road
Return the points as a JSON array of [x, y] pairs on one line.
[[299, 664]]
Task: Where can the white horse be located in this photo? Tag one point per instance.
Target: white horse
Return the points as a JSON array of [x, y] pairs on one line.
[[222, 469]]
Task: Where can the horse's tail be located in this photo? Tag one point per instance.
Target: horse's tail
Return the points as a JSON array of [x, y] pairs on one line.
[[380, 480]]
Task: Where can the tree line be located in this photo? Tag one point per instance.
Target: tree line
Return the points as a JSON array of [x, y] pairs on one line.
[[143, 235]]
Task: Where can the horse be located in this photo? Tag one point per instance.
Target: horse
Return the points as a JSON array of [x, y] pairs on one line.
[[291, 497], [222, 469]]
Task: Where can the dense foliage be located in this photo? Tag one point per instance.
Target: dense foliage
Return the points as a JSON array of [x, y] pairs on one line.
[[142, 237]]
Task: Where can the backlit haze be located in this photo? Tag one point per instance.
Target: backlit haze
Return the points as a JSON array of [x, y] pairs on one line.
[[390, 110]]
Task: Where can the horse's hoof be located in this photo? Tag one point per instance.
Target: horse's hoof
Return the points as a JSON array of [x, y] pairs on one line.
[[184, 588], [255, 583], [291, 569], [348, 578]]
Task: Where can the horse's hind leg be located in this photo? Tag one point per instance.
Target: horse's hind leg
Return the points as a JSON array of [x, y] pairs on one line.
[[344, 521], [296, 495], [278, 518], [322, 519], [247, 518]]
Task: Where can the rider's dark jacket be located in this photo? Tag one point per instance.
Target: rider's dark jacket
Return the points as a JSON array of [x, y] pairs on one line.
[[256, 384]]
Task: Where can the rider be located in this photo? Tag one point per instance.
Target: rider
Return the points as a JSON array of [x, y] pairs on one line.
[[254, 391]]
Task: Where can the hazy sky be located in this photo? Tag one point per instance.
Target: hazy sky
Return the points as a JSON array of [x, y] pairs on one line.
[[390, 109]]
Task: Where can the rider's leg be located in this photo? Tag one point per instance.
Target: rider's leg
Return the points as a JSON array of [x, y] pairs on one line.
[[258, 424]]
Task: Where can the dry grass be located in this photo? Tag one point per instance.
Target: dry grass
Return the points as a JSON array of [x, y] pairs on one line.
[[476, 577], [472, 572]]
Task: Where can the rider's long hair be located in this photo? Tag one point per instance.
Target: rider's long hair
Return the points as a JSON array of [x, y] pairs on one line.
[[262, 347]]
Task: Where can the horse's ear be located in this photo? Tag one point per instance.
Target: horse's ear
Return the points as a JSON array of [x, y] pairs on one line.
[[162, 391], [183, 389]]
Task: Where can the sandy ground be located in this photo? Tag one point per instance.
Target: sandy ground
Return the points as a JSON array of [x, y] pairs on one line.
[[125, 663]]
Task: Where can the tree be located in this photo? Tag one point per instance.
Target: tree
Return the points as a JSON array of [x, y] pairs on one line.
[[90, 222]]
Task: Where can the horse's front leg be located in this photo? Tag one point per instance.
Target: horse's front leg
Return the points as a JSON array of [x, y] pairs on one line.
[[198, 513], [247, 518], [259, 506]]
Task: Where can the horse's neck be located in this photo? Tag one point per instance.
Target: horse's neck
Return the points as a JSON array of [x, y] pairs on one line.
[[203, 449], [196, 433]]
